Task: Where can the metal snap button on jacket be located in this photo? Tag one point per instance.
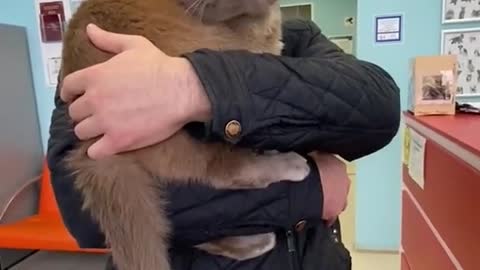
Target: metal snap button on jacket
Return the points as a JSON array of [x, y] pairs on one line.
[[233, 129], [300, 226]]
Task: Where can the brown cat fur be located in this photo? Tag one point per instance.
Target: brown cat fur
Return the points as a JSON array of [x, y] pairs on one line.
[[123, 193]]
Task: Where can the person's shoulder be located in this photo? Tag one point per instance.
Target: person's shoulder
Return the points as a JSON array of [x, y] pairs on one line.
[[297, 34]]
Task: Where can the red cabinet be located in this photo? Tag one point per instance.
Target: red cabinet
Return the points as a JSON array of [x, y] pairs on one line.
[[441, 221]]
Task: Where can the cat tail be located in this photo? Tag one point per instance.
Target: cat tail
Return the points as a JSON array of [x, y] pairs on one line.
[[122, 198]]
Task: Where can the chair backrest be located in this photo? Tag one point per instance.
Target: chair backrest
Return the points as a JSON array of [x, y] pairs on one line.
[[47, 201]]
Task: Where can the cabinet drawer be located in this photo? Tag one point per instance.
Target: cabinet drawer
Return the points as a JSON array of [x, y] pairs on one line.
[[420, 245], [451, 199], [404, 263]]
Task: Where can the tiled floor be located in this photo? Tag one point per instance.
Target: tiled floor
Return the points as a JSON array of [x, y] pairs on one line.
[[364, 260]]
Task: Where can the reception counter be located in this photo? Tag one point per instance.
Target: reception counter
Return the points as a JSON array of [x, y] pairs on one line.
[[441, 215]]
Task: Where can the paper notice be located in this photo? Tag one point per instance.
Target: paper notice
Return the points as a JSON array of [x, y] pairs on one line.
[[54, 64], [406, 146], [416, 161]]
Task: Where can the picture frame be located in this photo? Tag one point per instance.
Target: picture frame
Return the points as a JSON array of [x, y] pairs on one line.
[[465, 45], [433, 83], [388, 29], [458, 11]]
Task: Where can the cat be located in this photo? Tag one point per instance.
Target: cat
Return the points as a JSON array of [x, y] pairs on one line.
[[471, 66], [458, 39], [476, 13], [123, 193], [433, 89], [220, 11], [462, 13]]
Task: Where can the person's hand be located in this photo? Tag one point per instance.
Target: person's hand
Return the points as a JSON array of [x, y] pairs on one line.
[[138, 98], [335, 185]]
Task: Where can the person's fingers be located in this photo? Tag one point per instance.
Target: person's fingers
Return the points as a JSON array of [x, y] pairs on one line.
[[331, 222], [109, 41], [88, 129], [79, 109], [102, 148], [74, 85]]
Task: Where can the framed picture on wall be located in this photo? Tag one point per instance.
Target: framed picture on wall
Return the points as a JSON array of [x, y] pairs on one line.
[[465, 45], [455, 11]]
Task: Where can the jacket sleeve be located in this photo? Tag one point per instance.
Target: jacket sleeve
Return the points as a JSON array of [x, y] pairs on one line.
[[198, 213], [314, 97]]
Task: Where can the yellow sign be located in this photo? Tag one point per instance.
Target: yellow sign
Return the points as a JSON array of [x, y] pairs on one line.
[[406, 146]]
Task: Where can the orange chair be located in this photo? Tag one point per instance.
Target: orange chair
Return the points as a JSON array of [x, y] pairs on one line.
[[43, 231]]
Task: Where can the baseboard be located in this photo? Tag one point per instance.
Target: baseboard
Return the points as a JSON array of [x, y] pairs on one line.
[[381, 251]]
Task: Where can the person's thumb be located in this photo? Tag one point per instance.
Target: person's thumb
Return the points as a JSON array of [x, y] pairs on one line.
[[109, 41], [101, 149]]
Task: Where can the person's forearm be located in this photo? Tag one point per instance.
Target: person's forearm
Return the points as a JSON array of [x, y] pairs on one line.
[[318, 98], [216, 213], [352, 111]]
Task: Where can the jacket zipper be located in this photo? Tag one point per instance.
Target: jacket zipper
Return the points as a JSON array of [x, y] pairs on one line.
[[292, 250]]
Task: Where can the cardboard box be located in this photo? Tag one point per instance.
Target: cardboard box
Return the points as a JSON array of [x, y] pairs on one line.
[[433, 85]]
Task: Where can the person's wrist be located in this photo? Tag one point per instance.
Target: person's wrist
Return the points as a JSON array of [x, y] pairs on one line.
[[335, 184], [198, 106]]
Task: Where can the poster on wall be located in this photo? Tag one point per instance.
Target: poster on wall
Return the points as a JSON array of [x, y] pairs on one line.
[[455, 11], [465, 45], [52, 21], [53, 69]]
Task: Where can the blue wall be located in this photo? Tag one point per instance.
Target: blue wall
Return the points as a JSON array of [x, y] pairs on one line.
[[22, 13], [379, 176]]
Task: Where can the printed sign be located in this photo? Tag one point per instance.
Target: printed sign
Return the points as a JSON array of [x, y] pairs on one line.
[[388, 29], [416, 156], [52, 20]]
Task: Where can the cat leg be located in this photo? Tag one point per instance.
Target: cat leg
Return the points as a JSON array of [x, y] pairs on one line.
[[181, 158], [259, 171]]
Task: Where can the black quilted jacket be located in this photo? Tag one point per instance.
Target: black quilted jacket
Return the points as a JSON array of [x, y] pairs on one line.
[[314, 97]]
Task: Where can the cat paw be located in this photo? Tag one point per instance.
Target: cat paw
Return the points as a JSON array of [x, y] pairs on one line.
[[266, 169], [291, 166]]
